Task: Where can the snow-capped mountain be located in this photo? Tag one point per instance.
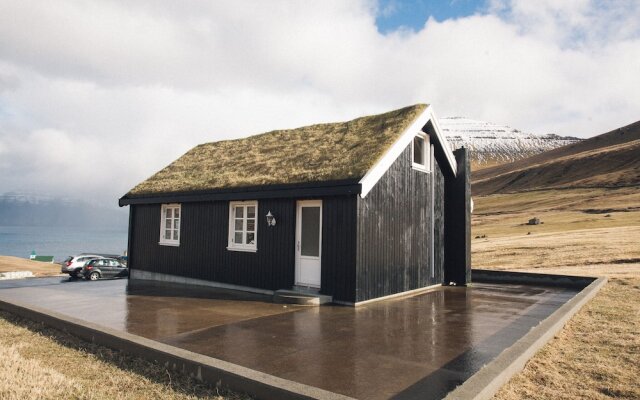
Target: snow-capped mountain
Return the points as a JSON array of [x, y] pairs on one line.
[[491, 144], [30, 198], [36, 209]]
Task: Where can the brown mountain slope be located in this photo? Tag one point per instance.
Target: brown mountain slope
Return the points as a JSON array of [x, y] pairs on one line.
[[617, 136], [608, 160]]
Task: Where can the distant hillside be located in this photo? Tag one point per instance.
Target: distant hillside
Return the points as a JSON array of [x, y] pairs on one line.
[[493, 144], [20, 209], [608, 160]]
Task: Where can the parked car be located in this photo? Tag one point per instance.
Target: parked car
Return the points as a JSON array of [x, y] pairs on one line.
[[104, 268], [72, 265]]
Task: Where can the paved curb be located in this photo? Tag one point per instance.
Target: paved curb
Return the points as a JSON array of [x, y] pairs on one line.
[[203, 368], [490, 378], [529, 278]]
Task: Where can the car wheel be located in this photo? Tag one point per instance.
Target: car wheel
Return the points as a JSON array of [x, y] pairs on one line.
[[94, 276]]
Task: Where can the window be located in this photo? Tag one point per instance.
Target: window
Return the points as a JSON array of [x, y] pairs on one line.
[[170, 225], [421, 152], [243, 225]]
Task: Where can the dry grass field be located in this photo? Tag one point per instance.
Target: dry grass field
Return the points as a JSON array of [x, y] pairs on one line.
[[10, 264], [37, 362], [596, 355], [560, 210]]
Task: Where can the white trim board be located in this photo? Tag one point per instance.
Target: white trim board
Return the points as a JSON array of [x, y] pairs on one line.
[[443, 141], [376, 172]]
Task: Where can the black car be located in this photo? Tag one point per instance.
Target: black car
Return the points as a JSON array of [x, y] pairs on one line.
[[104, 268]]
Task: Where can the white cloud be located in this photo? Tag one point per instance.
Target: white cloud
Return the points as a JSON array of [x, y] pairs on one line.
[[136, 84]]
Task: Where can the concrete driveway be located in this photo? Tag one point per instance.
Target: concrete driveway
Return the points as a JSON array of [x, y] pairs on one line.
[[423, 346]]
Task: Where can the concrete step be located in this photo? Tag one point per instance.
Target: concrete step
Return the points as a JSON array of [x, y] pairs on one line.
[[300, 298]]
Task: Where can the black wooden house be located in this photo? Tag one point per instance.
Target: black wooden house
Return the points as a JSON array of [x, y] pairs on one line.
[[359, 210]]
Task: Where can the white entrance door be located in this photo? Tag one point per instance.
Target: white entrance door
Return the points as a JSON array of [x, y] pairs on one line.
[[308, 243]]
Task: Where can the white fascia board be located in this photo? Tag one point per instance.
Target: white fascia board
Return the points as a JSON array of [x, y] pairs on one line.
[[372, 176], [443, 141]]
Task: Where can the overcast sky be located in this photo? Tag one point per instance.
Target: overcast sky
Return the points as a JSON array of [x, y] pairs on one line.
[[98, 95]]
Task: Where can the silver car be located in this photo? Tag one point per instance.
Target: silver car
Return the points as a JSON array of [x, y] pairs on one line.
[[72, 265]]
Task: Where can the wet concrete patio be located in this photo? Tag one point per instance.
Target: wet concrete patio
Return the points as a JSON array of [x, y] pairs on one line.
[[421, 346]]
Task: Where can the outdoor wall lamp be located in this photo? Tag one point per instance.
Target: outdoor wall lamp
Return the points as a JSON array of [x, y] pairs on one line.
[[271, 220]]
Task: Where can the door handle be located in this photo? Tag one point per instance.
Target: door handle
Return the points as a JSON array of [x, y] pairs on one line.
[[298, 246]]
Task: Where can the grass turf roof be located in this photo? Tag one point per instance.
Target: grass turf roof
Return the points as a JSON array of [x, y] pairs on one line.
[[315, 153]]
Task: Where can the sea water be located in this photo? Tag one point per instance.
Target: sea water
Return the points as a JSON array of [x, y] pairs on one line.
[[60, 242]]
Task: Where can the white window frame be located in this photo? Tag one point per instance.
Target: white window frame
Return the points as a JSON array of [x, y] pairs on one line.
[[242, 247], [163, 212], [426, 153]]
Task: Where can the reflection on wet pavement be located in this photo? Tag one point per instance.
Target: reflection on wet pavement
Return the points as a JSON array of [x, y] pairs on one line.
[[423, 345]]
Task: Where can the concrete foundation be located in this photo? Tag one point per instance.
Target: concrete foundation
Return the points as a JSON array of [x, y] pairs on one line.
[[463, 340], [156, 276]]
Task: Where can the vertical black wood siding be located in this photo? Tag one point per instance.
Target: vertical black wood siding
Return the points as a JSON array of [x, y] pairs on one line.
[[203, 253], [395, 231], [440, 225], [339, 247], [458, 233]]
